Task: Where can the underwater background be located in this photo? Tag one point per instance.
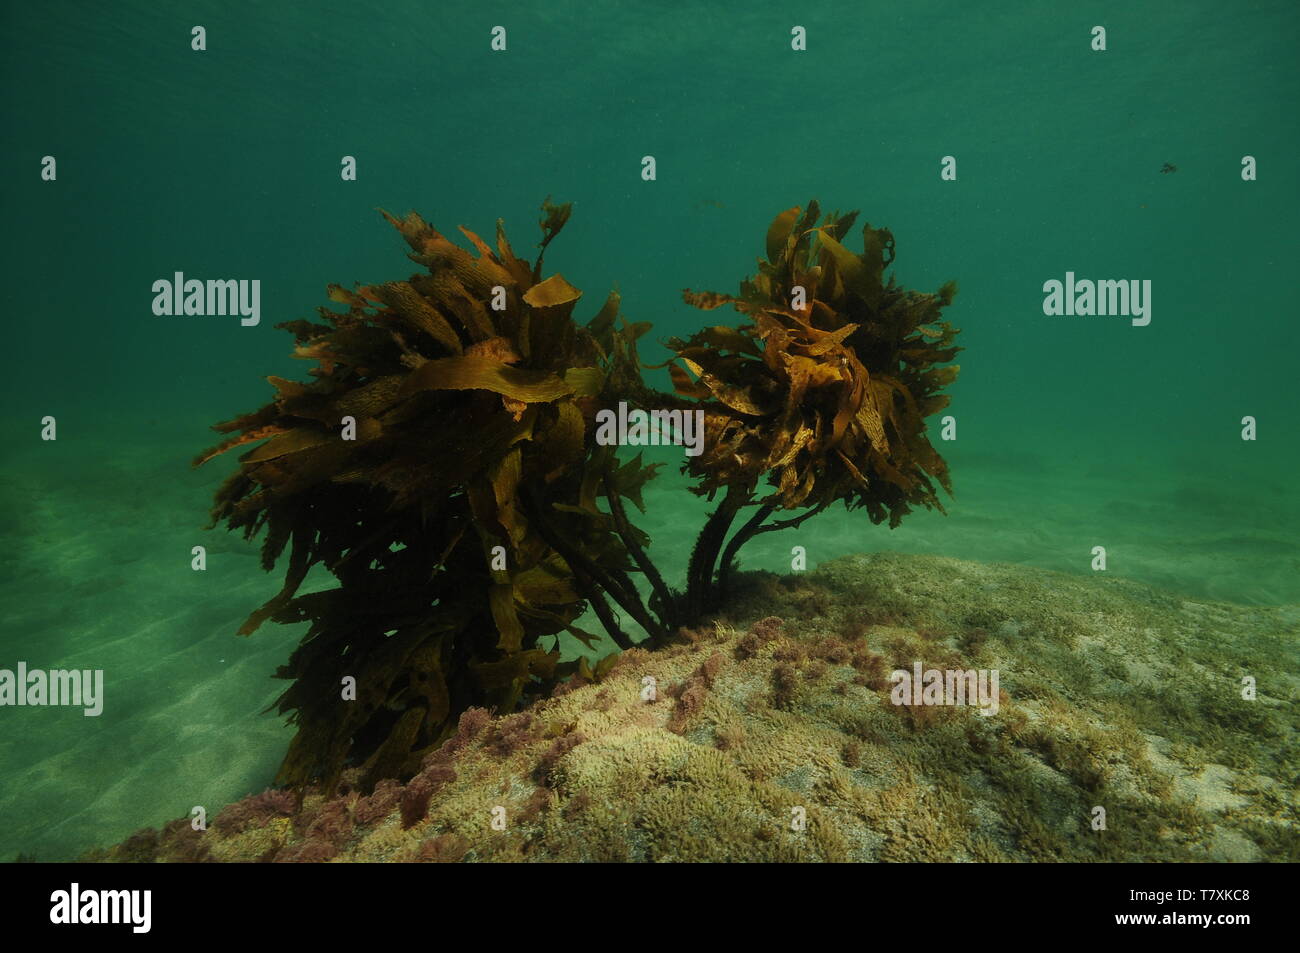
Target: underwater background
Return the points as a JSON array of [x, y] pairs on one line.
[[1073, 432]]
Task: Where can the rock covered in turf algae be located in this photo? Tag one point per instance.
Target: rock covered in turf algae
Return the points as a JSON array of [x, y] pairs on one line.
[[1113, 695]]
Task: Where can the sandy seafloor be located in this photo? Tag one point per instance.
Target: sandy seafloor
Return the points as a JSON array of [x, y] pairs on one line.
[[95, 573]]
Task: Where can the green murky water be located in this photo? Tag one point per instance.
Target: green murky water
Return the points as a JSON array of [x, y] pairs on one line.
[[1072, 432]]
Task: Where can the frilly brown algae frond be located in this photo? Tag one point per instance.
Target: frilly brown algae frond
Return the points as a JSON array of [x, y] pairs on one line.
[[825, 392], [426, 465]]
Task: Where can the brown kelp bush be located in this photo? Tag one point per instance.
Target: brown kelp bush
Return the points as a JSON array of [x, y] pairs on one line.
[[442, 465], [823, 395], [433, 424]]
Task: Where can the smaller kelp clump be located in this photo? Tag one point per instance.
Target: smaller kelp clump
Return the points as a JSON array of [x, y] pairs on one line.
[[443, 465], [443, 409], [823, 395]]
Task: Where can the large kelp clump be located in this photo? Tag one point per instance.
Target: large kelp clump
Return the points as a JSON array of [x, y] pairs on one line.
[[823, 395], [443, 408], [443, 465]]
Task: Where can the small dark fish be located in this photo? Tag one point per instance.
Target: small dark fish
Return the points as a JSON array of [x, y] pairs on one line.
[[1168, 167]]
